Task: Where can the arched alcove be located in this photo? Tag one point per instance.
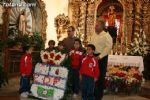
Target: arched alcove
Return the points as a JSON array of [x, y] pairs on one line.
[[124, 11], [36, 16], [36, 22], [112, 12]]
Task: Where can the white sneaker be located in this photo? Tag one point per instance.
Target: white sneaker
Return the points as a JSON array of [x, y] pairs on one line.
[[24, 94], [27, 93], [75, 95]]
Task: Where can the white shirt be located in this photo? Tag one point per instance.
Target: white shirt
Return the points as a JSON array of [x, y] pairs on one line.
[[103, 43]]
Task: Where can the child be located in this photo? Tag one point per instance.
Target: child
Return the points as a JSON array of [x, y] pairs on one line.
[[51, 45], [89, 73], [60, 47], [76, 56], [26, 71]]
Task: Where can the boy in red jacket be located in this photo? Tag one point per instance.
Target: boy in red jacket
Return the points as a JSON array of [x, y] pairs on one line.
[[76, 56], [25, 70], [89, 73]]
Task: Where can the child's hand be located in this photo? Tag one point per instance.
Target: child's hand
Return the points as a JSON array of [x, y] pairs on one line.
[[95, 79], [66, 57], [98, 58], [80, 77], [23, 75]]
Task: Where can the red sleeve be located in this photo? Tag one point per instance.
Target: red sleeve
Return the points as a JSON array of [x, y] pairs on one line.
[[26, 65], [97, 70]]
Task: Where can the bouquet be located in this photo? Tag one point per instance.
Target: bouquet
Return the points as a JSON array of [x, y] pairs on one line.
[[53, 57], [122, 78]]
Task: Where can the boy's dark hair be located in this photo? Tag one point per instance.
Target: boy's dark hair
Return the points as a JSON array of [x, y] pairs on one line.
[[91, 46], [78, 40], [61, 43], [51, 41], [26, 48], [72, 28]]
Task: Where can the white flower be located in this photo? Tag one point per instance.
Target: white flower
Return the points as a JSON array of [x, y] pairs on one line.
[[59, 57], [45, 56]]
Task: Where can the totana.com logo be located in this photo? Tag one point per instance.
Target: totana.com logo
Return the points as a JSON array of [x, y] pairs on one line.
[[9, 3], [19, 4]]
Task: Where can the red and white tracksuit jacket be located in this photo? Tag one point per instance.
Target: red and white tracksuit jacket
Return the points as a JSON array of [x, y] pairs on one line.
[[26, 65], [90, 67], [76, 58]]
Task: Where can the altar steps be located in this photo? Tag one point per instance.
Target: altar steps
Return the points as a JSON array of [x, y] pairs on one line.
[[145, 89]]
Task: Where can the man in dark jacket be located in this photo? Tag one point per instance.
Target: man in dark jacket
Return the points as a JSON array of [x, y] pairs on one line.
[[69, 41]]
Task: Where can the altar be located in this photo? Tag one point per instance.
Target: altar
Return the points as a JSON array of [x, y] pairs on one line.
[[127, 61], [124, 74]]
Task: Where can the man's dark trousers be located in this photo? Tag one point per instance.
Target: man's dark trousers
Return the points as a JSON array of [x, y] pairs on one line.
[[100, 84]]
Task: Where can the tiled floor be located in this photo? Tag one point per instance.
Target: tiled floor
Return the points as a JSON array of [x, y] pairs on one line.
[[10, 92]]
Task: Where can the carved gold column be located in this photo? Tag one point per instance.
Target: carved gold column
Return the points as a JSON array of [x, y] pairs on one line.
[[128, 20], [146, 18], [81, 14], [75, 8], [90, 21], [5, 27], [44, 18], [89, 16], [82, 17], [137, 4]]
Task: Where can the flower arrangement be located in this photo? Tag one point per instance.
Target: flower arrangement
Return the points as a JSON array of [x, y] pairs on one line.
[[53, 57], [139, 47], [122, 78], [49, 81]]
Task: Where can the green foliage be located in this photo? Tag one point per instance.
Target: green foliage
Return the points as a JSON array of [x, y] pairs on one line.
[[25, 40], [36, 40]]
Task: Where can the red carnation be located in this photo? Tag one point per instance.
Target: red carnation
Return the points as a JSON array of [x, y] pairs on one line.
[[57, 57], [29, 33], [120, 74], [137, 76], [57, 72], [45, 56], [52, 55], [51, 62]]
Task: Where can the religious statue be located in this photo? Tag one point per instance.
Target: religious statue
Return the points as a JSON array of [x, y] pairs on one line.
[[22, 22], [1, 14], [111, 16], [61, 23], [112, 29]]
